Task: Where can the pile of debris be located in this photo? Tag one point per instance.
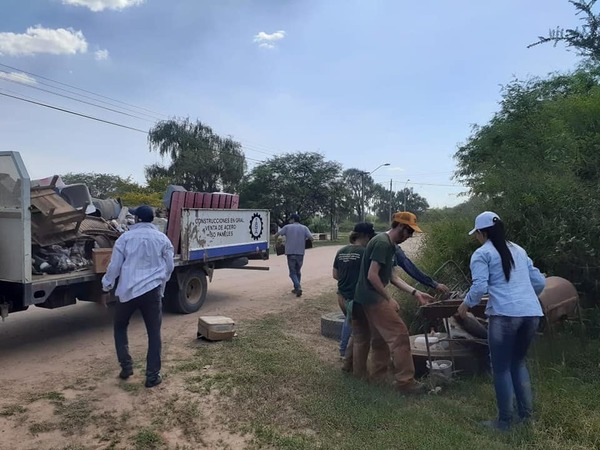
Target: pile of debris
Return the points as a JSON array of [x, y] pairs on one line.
[[66, 225]]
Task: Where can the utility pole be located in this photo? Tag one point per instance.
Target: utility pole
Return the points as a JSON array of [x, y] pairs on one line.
[[391, 200], [405, 184], [362, 197]]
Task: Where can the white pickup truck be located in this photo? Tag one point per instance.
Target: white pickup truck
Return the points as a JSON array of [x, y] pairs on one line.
[[209, 239]]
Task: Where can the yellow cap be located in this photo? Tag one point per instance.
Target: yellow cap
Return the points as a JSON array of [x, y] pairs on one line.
[[407, 218]]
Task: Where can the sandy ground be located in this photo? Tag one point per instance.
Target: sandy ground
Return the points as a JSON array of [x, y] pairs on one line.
[[49, 350]]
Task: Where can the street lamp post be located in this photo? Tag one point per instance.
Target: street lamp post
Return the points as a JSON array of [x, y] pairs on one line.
[[391, 199], [362, 190], [405, 184]]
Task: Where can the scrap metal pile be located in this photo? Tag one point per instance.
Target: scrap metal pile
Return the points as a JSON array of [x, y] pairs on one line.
[[66, 224], [464, 341]]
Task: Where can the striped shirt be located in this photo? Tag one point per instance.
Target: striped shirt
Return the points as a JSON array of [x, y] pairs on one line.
[[142, 259]]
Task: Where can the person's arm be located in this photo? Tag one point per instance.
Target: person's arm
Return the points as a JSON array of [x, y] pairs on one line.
[[481, 273], [535, 276], [281, 231], [168, 256], [422, 297], [308, 233], [413, 271], [335, 267], [114, 267], [373, 277]]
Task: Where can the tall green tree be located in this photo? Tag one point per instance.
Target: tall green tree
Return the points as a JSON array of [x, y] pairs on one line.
[[302, 183], [101, 185], [201, 160], [537, 163], [415, 203], [358, 185], [362, 192], [585, 40]]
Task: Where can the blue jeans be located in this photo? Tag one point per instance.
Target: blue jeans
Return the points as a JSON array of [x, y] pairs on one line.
[[295, 265], [346, 333], [509, 339], [150, 305]]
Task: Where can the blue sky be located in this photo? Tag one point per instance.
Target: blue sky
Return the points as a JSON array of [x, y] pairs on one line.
[[363, 82]]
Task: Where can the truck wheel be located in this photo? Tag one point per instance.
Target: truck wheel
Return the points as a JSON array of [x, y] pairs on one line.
[[331, 325], [189, 294]]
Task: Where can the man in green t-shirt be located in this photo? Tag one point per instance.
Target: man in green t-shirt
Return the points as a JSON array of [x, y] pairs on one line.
[[375, 314], [346, 267]]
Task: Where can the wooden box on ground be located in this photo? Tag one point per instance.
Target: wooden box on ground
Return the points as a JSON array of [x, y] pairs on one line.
[[216, 328], [101, 259]]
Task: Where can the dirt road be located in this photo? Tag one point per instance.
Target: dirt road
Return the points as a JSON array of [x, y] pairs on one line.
[[38, 344], [51, 349]]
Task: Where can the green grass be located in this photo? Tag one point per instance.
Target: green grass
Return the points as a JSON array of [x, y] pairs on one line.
[[147, 439], [287, 397], [12, 410], [132, 388]]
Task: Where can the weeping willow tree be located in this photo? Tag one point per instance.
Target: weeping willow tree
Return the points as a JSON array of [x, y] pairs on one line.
[[200, 159]]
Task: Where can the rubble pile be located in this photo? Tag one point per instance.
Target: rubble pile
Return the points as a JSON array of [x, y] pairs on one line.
[[56, 259]]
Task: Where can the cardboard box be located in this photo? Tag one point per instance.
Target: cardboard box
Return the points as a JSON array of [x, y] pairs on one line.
[[101, 259], [216, 328]]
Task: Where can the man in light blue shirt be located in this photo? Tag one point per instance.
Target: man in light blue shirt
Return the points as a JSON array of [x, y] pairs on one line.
[[296, 236], [142, 260]]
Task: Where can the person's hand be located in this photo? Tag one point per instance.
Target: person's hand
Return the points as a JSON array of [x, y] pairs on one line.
[[424, 298], [104, 298], [442, 288], [463, 309], [395, 305]]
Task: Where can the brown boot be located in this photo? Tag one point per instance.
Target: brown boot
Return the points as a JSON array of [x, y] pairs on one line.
[[347, 365]]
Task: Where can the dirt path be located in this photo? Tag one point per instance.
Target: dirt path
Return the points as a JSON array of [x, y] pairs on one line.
[[45, 350]]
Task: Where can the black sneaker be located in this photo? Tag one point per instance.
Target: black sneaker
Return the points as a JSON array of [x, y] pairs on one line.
[[293, 291], [299, 293], [125, 373], [151, 382]]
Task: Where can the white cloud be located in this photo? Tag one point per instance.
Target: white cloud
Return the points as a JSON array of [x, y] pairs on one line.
[[17, 76], [101, 55], [37, 39], [266, 40], [101, 5]]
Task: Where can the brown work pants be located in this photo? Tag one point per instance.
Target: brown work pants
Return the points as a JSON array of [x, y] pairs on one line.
[[388, 336]]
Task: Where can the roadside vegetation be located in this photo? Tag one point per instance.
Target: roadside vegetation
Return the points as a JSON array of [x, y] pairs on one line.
[[279, 385]]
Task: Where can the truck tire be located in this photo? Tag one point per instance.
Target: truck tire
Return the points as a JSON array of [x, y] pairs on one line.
[[188, 293], [331, 325]]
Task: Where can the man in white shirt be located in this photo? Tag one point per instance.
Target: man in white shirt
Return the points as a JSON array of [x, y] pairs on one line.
[[142, 259]]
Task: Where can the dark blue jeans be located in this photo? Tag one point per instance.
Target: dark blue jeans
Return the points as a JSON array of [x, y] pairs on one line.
[[295, 265], [150, 305], [509, 339], [346, 333]]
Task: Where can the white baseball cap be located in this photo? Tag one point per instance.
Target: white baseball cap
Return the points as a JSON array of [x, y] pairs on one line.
[[484, 220]]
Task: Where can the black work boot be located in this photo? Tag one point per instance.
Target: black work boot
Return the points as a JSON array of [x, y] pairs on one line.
[[155, 381], [125, 373]]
